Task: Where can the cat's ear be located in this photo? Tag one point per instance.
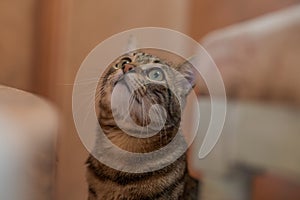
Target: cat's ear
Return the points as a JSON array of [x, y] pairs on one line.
[[188, 72], [131, 44]]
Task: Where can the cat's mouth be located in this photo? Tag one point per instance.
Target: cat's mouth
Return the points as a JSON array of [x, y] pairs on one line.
[[130, 102], [136, 87]]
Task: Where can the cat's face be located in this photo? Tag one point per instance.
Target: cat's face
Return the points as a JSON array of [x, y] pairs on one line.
[[144, 80]]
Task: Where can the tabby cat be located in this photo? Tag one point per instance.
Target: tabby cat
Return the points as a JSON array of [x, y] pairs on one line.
[[170, 182]]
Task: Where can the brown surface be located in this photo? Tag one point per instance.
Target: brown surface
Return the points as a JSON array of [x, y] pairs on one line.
[[17, 42], [52, 25], [270, 187]]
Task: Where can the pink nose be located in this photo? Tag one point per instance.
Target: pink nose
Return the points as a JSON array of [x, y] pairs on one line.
[[127, 67]]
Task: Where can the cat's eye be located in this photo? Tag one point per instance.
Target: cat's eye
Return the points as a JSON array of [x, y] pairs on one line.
[[156, 74], [124, 61]]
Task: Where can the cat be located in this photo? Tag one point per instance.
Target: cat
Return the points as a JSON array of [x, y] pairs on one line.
[[145, 70]]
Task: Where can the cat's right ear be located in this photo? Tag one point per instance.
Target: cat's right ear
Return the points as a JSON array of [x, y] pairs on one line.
[[131, 44]]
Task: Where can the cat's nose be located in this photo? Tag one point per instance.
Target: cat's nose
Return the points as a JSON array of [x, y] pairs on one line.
[[127, 67]]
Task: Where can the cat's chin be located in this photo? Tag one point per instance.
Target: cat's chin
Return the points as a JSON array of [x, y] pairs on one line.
[[121, 91], [125, 104]]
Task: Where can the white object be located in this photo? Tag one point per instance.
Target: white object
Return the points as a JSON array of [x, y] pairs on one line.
[[256, 137], [28, 126]]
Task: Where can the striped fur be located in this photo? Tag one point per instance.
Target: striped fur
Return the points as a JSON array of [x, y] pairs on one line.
[[170, 182]]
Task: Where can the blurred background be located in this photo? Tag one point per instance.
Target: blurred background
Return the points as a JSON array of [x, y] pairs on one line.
[[42, 44]]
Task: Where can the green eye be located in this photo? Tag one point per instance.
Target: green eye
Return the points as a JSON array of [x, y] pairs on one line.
[[156, 75]]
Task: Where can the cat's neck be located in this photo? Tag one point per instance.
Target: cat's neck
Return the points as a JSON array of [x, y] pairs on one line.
[[130, 143]]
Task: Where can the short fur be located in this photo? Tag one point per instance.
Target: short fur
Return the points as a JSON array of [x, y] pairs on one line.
[[170, 182]]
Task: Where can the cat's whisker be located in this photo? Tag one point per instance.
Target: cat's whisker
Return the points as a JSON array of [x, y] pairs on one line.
[[147, 129], [94, 80], [90, 81], [89, 110], [142, 129], [148, 96], [160, 120], [131, 105], [155, 112]]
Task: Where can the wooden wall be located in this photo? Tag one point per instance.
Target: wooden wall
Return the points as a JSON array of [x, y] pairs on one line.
[[17, 33]]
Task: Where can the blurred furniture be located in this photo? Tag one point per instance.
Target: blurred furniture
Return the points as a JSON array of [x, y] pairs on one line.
[[256, 138], [28, 125]]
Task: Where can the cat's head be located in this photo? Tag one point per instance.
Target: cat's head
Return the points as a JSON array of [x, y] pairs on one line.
[[146, 80]]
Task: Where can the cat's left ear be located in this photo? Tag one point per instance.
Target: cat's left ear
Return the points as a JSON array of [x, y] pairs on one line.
[[187, 70]]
